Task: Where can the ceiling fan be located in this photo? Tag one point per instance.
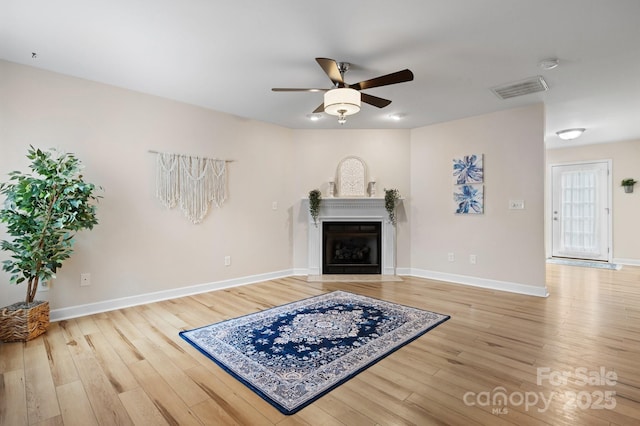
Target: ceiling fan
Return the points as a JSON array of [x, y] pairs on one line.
[[344, 99]]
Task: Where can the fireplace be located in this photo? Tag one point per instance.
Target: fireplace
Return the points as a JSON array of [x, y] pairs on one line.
[[351, 247], [352, 211]]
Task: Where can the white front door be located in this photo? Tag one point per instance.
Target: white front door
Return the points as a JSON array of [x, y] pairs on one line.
[[581, 210]]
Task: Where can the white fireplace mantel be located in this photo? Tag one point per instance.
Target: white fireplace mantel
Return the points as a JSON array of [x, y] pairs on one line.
[[352, 209]]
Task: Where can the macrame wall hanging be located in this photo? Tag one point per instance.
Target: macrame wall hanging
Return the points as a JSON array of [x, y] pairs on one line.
[[193, 183]]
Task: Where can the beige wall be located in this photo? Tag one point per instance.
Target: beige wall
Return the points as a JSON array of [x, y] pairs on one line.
[[625, 159], [140, 247], [509, 244]]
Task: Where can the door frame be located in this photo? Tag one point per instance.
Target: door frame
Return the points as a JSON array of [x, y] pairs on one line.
[[548, 214]]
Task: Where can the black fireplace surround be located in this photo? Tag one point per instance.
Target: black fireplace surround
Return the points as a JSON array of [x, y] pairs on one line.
[[351, 247]]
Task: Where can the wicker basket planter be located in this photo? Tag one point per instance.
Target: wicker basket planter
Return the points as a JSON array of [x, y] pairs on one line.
[[23, 324]]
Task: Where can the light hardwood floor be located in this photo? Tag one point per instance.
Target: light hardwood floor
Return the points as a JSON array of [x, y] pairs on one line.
[[131, 367]]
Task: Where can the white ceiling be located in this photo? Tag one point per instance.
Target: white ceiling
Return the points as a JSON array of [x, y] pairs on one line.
[[228, 55]]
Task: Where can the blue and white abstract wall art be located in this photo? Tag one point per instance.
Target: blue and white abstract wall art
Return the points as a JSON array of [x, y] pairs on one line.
[[469, 199], [468, 169]]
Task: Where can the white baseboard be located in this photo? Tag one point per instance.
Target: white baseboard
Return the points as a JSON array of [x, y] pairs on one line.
[[527, 289], [630, 262], [403, 271], [125, 302], [510, 287]]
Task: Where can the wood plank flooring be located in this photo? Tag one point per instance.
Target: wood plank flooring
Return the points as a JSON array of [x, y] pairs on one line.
[[502, 359]]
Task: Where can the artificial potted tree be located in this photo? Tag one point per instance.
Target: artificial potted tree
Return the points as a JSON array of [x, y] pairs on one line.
[[42, 211], [627, 184]]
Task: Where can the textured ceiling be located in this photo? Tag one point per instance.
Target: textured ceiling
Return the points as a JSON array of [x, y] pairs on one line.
[[228, 55]]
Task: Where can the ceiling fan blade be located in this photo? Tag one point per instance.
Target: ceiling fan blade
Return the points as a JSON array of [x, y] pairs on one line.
[[319, 109], [291, 89], [330, 67], [374, 100], [385, 80]]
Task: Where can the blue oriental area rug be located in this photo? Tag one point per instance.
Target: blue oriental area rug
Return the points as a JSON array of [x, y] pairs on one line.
[[293, 354]]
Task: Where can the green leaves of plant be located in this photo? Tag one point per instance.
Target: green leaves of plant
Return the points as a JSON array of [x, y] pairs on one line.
[[391, 197], [42, 211], [315, 197]]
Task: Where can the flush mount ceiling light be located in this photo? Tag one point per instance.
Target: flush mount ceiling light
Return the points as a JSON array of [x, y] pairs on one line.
[[342, 102], [569, 134], [314, 117], [397, 116]]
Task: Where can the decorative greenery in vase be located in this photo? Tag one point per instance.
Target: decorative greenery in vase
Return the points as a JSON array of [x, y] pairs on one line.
[[391, 197], [315, 196], [43, 210]]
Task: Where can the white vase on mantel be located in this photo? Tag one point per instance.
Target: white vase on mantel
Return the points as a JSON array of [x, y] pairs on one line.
[[372, 188]]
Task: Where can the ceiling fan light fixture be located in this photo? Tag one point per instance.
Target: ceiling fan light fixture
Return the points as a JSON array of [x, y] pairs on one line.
[[569, 134], [342, 101]]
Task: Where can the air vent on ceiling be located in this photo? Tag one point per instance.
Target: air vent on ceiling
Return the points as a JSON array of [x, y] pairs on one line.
[[520, 88]]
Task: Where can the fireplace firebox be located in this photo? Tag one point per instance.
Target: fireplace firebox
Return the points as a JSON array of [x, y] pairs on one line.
[[351, 247]]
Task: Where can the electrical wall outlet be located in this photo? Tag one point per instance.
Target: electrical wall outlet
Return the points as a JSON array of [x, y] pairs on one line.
[[473, 259], [85, 279], [451, 257], [274, 205], [227, 260], [516, 204]]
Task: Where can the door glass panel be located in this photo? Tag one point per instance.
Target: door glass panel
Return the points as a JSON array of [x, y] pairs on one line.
[[579, 215]]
